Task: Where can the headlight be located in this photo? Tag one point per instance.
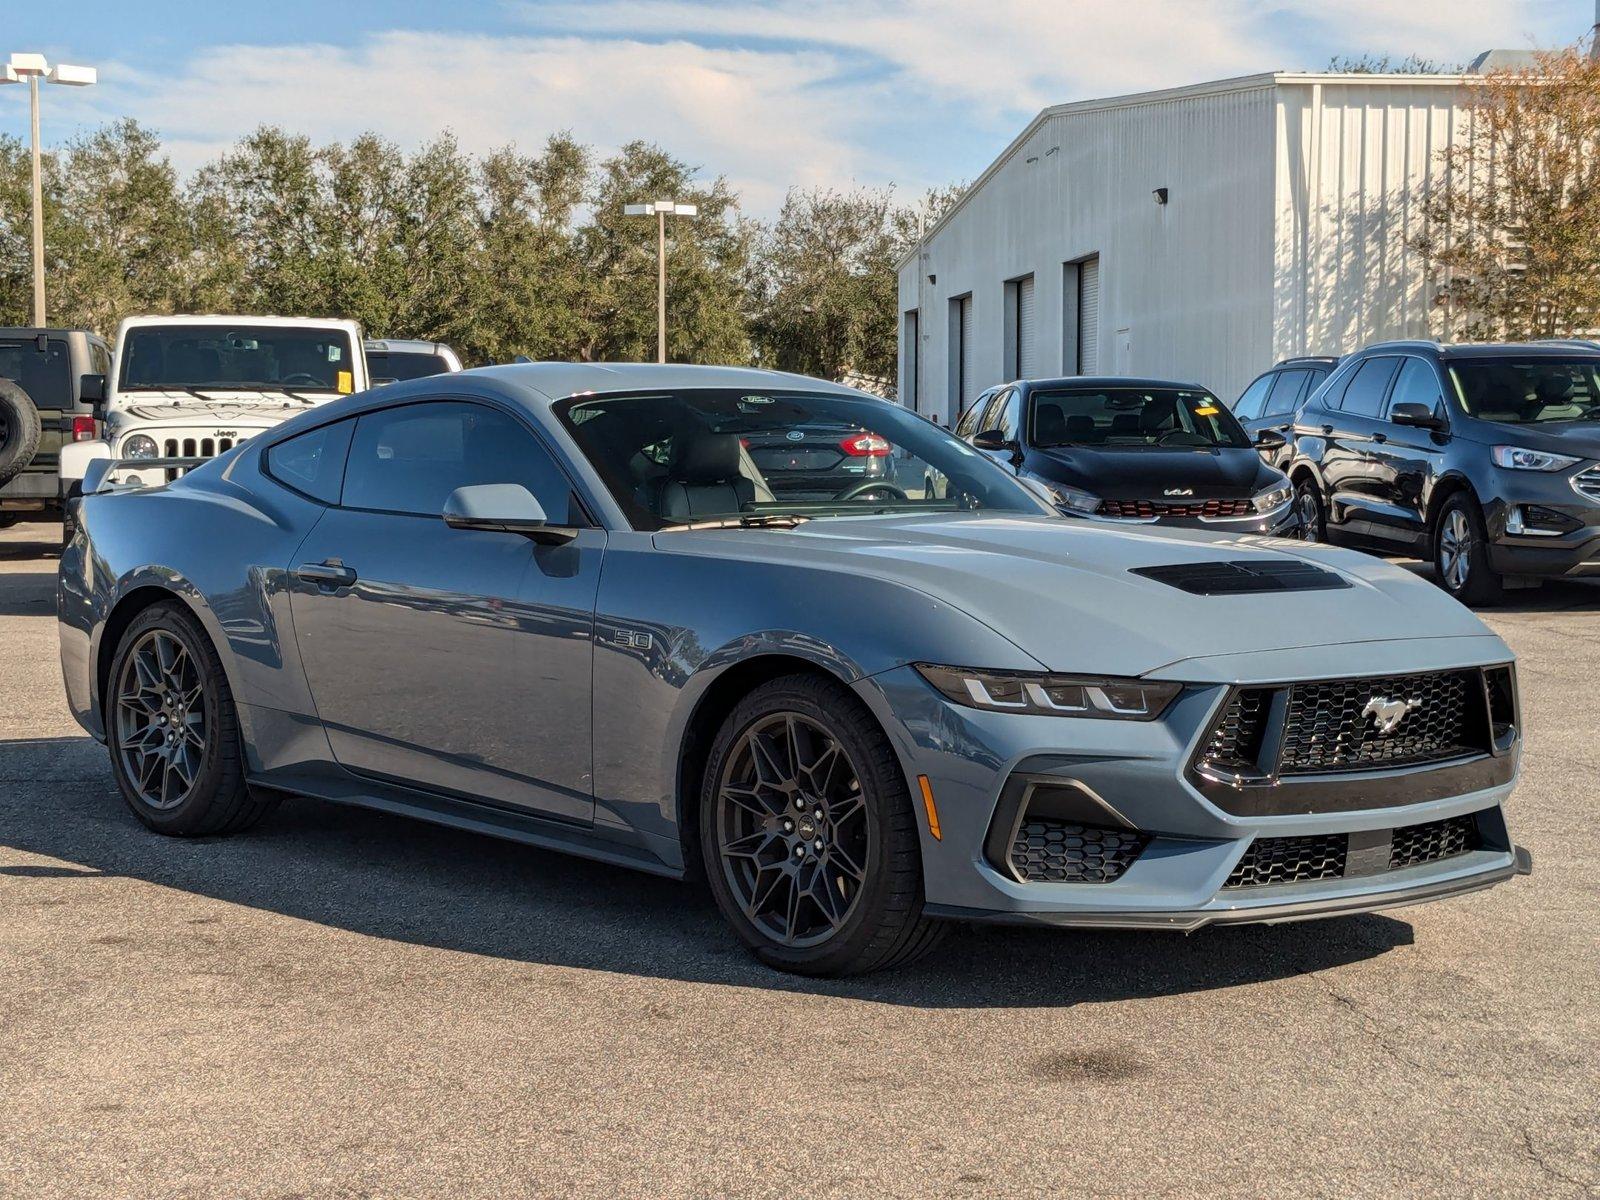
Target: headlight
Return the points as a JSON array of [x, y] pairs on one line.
[[1273, 498], [139, 446], [1052, 695], [1074, 499], [1518, 459]]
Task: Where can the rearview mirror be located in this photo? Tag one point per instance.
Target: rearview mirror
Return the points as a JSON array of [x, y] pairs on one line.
[[1418, 416], [503, 508], [1270, 439]]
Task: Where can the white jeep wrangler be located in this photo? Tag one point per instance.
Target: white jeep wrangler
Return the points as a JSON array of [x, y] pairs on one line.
[[185, 389]]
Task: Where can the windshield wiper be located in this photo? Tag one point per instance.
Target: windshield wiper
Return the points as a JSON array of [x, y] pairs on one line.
[[747, 521]]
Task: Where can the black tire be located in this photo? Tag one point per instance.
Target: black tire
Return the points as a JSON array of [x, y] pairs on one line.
[[1309, 508], [19, 431], [215, 799], [1461, 553], [878, 920]]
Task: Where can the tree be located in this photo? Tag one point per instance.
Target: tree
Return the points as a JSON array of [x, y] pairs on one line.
[[1382, 64], [1513, 235]]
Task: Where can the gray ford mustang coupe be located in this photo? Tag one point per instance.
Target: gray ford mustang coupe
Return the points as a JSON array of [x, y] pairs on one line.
[[559, 604]]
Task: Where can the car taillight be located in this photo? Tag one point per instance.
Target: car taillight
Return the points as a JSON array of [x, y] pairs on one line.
[[83, 429], [865, 445]]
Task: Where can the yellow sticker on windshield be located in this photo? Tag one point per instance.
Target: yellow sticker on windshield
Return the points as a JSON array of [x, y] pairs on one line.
[[347, 382], [1207, 411]]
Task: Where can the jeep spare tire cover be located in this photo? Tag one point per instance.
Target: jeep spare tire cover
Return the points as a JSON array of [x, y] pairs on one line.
[[19, 430]]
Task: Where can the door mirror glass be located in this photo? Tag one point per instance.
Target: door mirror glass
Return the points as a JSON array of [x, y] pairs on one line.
[[1418, 416], [502, 508]]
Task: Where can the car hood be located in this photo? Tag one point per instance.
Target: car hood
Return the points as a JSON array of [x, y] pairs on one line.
[[1581, 439], [1135, 474], [255, 413], [1063, 591]]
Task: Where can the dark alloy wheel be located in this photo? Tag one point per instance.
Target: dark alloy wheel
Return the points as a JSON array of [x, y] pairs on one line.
[[173, 731], [810, 844], [792, 829], [1461, 553], [1308, 507]]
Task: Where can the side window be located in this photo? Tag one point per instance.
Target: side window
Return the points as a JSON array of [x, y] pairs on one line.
[[312, 463], [1418, 384], [1008, 418], [1001, 413], [409, 459], [1248, 406], [1364, 396], [100, 359], [1286, 393], [969, 419]]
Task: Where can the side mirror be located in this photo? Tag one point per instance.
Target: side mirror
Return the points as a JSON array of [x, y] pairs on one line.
[[92, 390], [1418, 416], [1270, 439], [382, 380], [503, 508], [996, 442]]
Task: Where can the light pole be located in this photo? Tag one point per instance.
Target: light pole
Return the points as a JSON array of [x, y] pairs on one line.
[[661, 209], [33, 67]]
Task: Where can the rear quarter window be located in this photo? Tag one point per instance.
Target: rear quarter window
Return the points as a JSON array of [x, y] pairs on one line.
[[312, 463]]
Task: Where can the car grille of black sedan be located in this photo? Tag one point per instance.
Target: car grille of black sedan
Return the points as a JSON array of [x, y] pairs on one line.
[[1340, 725], [1161, 508], [1328, 856], [1049, 851]]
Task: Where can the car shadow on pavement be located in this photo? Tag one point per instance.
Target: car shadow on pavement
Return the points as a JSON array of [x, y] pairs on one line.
[[389, 877], [1555, 595]]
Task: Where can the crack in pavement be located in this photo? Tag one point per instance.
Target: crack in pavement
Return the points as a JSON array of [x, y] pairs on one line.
[[1531, 1153]]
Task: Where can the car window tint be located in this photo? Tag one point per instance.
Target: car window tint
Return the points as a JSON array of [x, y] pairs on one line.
[[404, 364], [1002, 416], [409, 459], [1286, 392], [1248, 406], [45, 374], [970, 418], [312, 463], [1364, 396], [1418, 384]]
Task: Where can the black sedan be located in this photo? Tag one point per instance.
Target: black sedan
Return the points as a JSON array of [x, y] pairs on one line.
[[821, 460], [1142, 450]]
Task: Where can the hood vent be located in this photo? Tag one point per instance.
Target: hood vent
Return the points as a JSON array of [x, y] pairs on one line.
[[1240, 577]]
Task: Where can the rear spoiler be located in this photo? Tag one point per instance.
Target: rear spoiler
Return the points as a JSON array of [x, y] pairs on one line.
[[97, 476]]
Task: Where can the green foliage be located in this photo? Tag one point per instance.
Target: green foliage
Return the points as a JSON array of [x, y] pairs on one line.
[[500, 255]]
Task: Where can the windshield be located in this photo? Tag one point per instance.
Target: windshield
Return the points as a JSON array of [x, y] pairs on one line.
[[45, 374], [239, 358], [1133, 417], [1526, 391], [679, 458], [400, 365]]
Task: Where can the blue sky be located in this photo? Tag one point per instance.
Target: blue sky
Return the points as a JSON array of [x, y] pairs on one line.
[[771, 93]]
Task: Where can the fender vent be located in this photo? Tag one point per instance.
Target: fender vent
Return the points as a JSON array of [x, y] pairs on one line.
[[1238, 577]]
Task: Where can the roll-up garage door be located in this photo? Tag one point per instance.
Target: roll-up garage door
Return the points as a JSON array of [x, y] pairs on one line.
[[1026, 362], [1089, 316], [967, 373]]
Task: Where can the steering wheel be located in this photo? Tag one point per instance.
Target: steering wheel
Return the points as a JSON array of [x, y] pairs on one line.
[[304, 378], [887, 491]]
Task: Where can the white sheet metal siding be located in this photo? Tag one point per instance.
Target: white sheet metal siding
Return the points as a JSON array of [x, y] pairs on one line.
[[1368, 155], [1089, 316], [1027, 336]]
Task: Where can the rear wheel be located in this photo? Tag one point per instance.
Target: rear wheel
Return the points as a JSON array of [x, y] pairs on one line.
[[807, 830], [1308, 507], [173, 731], [1461, 553]]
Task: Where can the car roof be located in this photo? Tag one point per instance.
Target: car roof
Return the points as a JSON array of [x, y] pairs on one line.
[[404, 345], [1302, 360], [558, 380], [239, 319], [1552, 349], [1090, 381], [33, 331]]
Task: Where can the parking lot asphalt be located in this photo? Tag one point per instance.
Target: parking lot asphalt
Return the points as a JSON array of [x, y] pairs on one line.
[[344, 1003]]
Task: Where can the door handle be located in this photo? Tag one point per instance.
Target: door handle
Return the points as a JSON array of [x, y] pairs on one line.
[[1327, 429], [326, 574], [1380, 437]]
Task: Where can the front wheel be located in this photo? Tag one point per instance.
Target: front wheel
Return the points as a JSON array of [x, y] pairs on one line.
[[808, 834], [173, 731], [1461, 553], [1308, 507]]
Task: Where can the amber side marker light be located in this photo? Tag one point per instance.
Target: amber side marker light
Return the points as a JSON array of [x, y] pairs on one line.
[[931, 808]]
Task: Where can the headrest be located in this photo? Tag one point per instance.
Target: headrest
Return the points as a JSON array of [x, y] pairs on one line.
[[707, 458], [1080, 427], [1049, 424], [1125, 422], [1554, 389], [1158, 414]]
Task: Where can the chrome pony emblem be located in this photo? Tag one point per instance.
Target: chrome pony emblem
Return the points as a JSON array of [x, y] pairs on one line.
[[1387, 714]]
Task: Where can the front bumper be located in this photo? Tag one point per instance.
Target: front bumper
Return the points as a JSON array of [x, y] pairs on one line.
[[1280, 522], [1541, 525], [1138, 772]]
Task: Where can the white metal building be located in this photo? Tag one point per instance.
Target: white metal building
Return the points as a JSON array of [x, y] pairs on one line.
[[1199, 233]]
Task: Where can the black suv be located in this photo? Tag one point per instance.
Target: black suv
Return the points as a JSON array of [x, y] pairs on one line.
[[1140, 450], [1484, 458], [1273, 396]]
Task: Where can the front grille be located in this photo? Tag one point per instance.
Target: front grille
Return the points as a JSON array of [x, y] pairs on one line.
[[1336, 725], [1046, 851], [1162, 508], [1290, 860], [1304, 859], [193, 448], [1414, 844], [1587, 484]]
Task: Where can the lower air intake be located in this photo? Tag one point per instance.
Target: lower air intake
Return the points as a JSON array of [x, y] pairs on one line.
[[1045, 851], [1290, 860], [1414, 844]]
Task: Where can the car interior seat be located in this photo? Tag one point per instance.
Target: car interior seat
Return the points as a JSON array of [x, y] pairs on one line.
[[1125, 424], [1050, 425], [702, 480]]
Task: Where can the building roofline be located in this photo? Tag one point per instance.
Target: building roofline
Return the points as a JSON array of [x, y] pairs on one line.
[[1215, 87]]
